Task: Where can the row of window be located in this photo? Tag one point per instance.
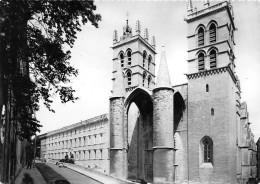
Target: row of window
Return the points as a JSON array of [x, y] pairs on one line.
[[212, 34], [80, 155], [129, 59], [77, 142], [129, 78], [77, 130], [212, 59]]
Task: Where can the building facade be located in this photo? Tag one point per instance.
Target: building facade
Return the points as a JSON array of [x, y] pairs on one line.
[[86, 142], [196, 132]]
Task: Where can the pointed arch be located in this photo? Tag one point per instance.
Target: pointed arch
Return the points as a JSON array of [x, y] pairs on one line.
[[201, 60], [144, 57], [200, 32], [121, 58], [144, 77], [207, 149], [128, 75], [213, 57], [149, 62], [129, 56], [179, 107], [149, 81], [212, 27]]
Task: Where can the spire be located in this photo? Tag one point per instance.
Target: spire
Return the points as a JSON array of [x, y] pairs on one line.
[[127, 29], [146, 36], [153, 41], [206, 3], [189, 6], [115, 38], [137, 27], [163, 78], [118, 85]]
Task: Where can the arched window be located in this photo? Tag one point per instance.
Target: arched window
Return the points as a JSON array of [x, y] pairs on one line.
[[213, 58], [144, 58], [201, 63], [129, 78], [207, 88], [207, 146], [212, 33], [149, 62], [144, 76], [149, 81], [122, 59], [129, 55], [200, 36]]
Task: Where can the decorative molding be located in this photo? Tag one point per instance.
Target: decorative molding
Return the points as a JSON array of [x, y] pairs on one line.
[[213, 72]]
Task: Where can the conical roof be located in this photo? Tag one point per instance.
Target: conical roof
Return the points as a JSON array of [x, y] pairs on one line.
[[118, 85], [163, 77]]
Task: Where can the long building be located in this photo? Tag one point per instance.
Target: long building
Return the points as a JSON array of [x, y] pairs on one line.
[[87, 142]]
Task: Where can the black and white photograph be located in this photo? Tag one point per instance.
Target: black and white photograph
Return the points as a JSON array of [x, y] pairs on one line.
[[129, 91]]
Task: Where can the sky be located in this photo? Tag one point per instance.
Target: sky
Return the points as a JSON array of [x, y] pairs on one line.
[[92, 55]]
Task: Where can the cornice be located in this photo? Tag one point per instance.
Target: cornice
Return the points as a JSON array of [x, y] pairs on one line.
[[210, 45], [213, 72], [133, 39], [210, 11]]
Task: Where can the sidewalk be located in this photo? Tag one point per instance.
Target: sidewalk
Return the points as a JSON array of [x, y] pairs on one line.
[[33, 173]]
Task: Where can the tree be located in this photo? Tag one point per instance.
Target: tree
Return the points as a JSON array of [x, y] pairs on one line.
[[35, 65]]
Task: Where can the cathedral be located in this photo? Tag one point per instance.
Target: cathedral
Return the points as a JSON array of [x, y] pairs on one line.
[[197, 132]]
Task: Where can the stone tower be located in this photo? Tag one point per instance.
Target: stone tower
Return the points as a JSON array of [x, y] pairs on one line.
[[136, 55], [213, 94], [133, 81]]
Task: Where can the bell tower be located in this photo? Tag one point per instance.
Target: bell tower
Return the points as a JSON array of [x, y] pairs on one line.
[[213, 93], [136, 54]]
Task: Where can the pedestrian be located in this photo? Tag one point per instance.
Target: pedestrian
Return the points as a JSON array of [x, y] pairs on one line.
[[29, 161]]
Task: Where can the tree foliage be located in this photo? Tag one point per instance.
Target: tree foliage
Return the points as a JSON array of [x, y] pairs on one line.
[[35, 64]]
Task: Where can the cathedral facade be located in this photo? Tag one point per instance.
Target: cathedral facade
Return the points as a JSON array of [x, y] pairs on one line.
[[197, 132]]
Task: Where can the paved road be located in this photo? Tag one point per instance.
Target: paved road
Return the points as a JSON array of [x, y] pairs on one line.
[[72, 176]]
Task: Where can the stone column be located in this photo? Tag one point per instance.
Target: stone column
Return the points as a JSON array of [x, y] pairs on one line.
[[163, 145]]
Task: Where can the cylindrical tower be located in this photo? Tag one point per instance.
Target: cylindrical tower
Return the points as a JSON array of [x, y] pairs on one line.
[[117, 152], [163, 146]]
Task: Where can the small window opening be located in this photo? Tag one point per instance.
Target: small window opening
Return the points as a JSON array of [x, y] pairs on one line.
[[212, 33], [213, 59], [144, 58], [122, 59], [149, 62], [212, 112], [144, 76], [129, 58], [207, 88], [201, 37], [149, 81], [129, 80], [201, 62]]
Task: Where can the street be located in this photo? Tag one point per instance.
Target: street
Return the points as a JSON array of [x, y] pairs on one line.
[[72, 176]]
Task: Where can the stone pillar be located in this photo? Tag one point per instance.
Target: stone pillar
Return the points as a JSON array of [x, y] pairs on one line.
[[163, 143], [117, 151]]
